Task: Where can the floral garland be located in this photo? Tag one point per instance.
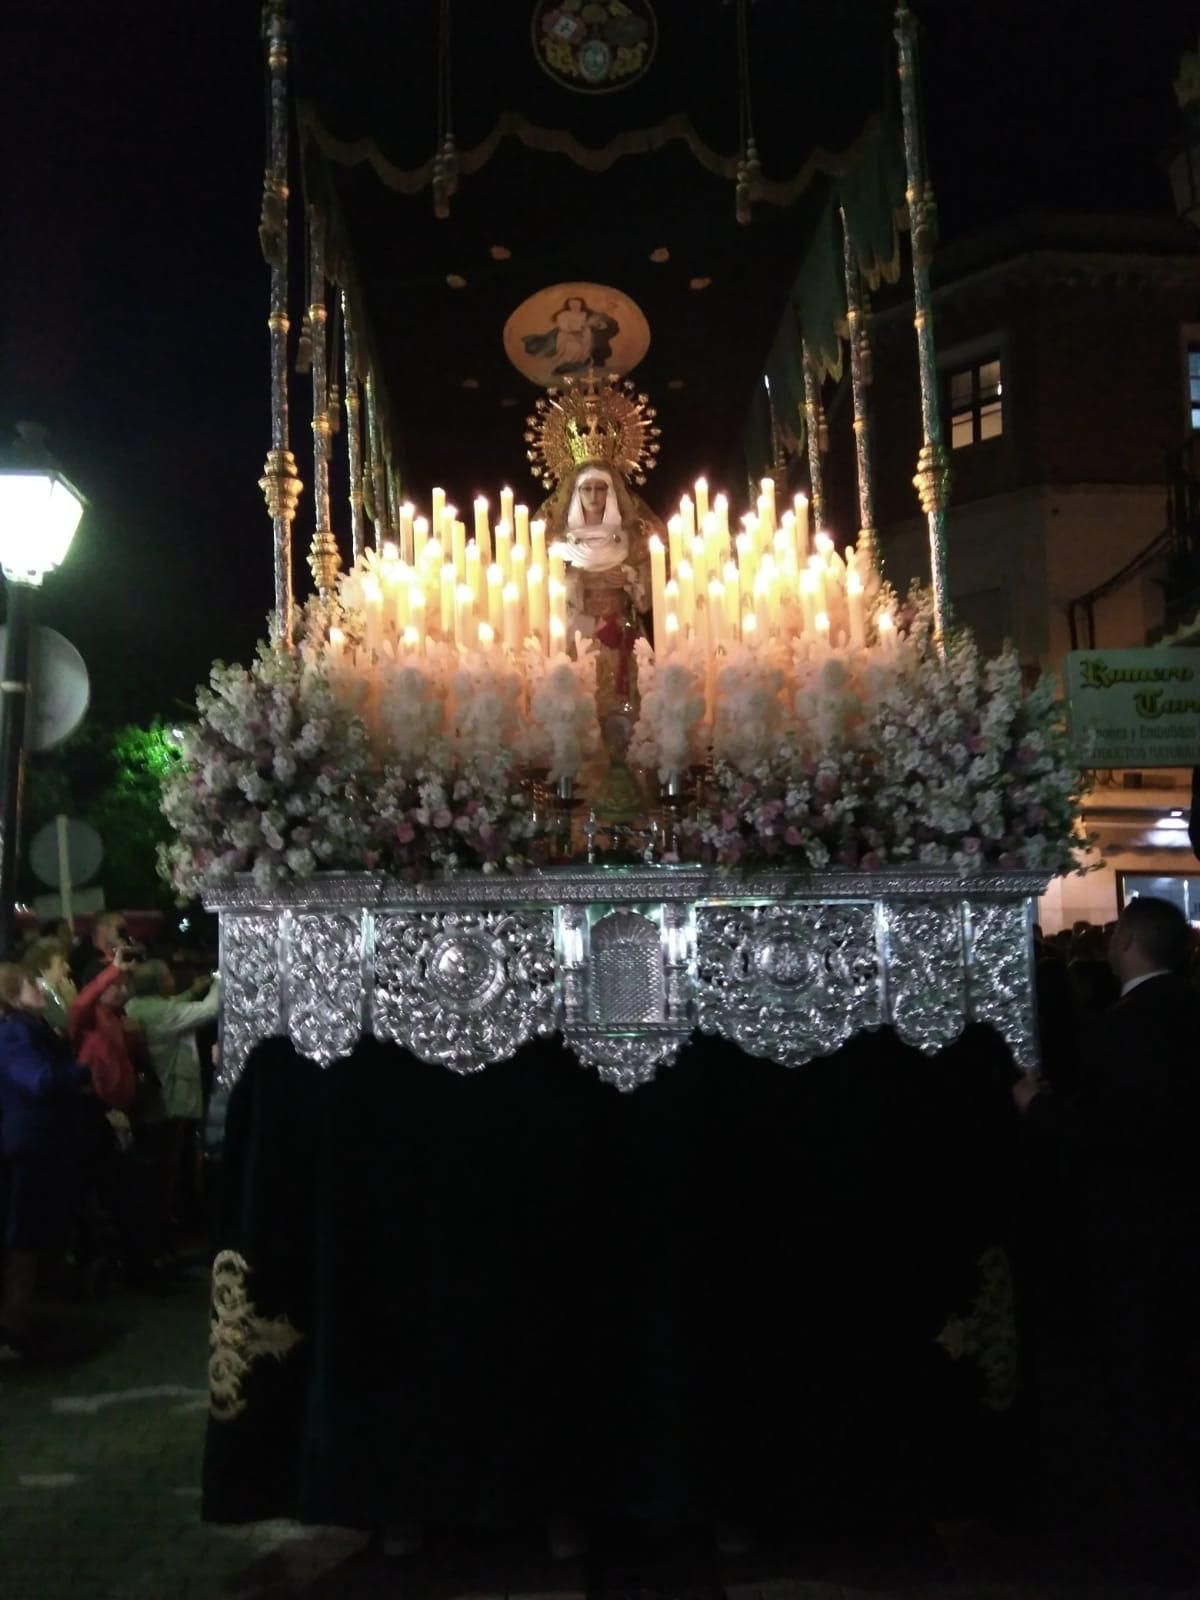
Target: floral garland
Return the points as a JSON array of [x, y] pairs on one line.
[[916, 758]]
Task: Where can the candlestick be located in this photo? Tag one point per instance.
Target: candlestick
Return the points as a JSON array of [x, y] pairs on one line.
[[855, 608], [687, 597], [474, 574], [495, 597], [800, 507], [701, 487], [512, 617], [767, 485], [658, 584], [446, 531], [407, 511], [483, 529], [687, 518], [675, 542], [537, 605]]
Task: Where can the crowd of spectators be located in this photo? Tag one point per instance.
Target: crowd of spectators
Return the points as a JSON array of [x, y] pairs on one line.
[[105, 1063]]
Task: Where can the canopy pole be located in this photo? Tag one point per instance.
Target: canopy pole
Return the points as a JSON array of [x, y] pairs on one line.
[[932, 478], [323, 558], [353, 432], [812, 427], [280, 486], [379, 494], [860, 378]]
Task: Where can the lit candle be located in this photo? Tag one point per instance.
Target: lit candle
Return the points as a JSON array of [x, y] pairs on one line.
[[521, 525], [701, 500], [885, 627], [558, 567], [558, 636], [658, 584], [749, 627], [483, 529], [373, 601], [671, 597], [436, 511], [465, 632], [687, 597], [721, 509], [458, 549], [519, 559], [687, 517], [733, 600], [675, 542], [537, 543], [817, 567], [420, 538], [800, 506], [822, 633], [390, 552], [446, 531], [716, 614], [506, 506], [400, 593], [495, 598], [487, 636], [557, 596], [537, 605], [406, 530], [416, 616], [504, 548], [808, 600], [767, 504], [474, 575], [745, 560], [412, 639], [762, 604], [449, 581], [823, 546], [855, 608], [512, 617], [700, 564]]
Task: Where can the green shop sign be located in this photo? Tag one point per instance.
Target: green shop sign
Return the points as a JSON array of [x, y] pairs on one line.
[[1139, 708]]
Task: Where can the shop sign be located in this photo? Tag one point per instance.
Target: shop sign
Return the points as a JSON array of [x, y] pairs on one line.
[[1135, 708]]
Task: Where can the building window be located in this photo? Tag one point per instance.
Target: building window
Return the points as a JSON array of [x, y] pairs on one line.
[[975, 406], [1193, 383]]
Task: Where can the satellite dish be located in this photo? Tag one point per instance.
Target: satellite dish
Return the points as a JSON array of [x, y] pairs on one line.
[[60, 690], [85, 852]]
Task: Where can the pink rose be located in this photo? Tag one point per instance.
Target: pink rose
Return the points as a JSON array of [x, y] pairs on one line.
[[793, 837], [442, 818], [405, 833], [729, 821]]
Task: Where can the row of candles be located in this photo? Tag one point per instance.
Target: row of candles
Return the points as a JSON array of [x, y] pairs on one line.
[[502, 586], [765, 583]]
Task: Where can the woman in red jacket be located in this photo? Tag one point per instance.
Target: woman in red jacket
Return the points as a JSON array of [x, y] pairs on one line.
[[98, 1034]]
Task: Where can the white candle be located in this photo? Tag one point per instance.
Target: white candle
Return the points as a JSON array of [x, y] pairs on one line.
[[768, 502], [495, 598], [558, 636], [885, 627], [520, 519], [487, 636], [474, 575], [465, 632], [675, 542], [537, 543], [483, 529], [436, 511], [504, 548], [671, 595], [458, 549], [446, 531], [557, 605], [519, 567], [512, 617], [701, 500], [716, 614], [687, 517], [808, 600], [687, 597], [449, 582], [672, 631], [537, 605], [699, 563], [420, 538], [800, 506], [406, 530], [733, 600], [658, 584], [855, 608], [749, 627], [506, 506], [416, 616], [822, 633]]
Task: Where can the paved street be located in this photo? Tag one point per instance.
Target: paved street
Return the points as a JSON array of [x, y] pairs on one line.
[[99, 1499]]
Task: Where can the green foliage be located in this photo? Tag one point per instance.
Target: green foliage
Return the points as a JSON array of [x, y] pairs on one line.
[[112, 779]]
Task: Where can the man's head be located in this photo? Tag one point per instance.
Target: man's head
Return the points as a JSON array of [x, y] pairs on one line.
[[45, 959], [1151, 935], [19, 991], [109, 932], [152, 978]]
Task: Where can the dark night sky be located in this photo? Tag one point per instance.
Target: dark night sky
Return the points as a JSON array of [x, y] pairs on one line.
[[134, 293]]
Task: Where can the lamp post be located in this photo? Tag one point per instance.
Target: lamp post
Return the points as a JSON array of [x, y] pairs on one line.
[[39, 512]]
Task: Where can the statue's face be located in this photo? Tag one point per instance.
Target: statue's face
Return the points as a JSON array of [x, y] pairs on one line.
[[593, 497]]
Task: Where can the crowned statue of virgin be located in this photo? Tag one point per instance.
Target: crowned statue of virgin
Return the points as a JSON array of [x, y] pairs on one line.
[[589, 442]]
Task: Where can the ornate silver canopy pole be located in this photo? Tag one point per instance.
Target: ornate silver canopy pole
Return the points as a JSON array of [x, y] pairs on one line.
[[812, 427], [379, 495], [860, 378], [323, 556], [932, 479], [353, 432], [279, 483]]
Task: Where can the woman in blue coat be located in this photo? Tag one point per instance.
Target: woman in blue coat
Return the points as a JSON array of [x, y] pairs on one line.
[[41, 1089]]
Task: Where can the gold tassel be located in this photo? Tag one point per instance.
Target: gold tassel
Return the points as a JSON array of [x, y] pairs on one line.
[[304, 346], [335, 408]]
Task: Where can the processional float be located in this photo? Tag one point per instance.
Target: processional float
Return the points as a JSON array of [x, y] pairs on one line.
[[577, 768]]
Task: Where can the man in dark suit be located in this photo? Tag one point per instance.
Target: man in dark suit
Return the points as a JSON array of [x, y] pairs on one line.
[[1132, 1173]]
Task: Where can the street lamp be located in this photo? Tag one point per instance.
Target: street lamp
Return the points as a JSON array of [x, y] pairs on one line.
[[39, 512]]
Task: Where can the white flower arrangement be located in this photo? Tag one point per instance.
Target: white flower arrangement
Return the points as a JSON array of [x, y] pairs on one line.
[[669, 735], [563, 730]]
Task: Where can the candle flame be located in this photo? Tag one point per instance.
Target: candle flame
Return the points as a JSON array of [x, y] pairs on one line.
[[336, 636], [821, 622], [885, 622], [487, 635], [391, 551]]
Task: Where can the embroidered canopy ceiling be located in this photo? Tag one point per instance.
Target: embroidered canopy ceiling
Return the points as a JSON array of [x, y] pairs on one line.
[[634, 186]]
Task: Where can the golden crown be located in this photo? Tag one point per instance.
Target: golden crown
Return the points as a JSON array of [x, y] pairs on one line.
[[593, 418]]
